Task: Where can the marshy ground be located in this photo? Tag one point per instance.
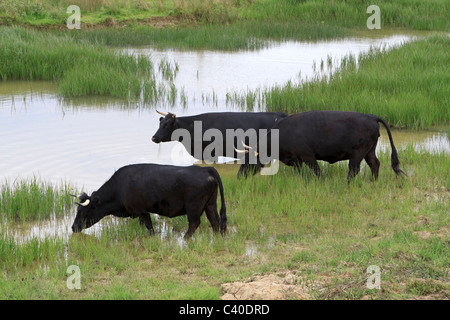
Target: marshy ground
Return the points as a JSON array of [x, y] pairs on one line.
[[291, 235], [323, 233]]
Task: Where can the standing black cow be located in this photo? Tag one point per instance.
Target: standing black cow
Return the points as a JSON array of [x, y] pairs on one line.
[[222, 121], [136, 190], [331, 136]]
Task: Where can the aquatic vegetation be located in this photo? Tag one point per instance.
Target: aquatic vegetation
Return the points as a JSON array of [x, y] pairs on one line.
[[429, 15], [33, 199], [320, 227], [80, 68], [403, 85], [168, 70], [243, 35]]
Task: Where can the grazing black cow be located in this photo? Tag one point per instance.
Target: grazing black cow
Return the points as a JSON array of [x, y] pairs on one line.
[[138, 189], [223, 122], [331, 136]]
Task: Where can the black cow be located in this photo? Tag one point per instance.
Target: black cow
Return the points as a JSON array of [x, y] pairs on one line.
[[138, 189], [221, 121], [330, 136]]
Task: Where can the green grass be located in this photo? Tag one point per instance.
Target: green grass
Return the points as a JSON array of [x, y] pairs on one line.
[[411, 14], [246, 35], [326, 230], [222, 24], [33, 200], [81, 69], [407, 86]]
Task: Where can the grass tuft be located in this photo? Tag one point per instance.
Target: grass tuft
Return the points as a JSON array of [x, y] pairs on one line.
[[33, 200]]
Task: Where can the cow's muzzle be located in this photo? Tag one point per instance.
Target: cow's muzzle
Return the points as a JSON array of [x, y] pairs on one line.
[[76, 229], [156, 140]]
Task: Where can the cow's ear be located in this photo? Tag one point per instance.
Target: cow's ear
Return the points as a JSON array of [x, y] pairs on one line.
[[161, 119], [83, 197], [95, 199]]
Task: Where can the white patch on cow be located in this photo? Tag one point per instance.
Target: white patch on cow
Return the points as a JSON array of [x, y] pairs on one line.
[[211, 178]]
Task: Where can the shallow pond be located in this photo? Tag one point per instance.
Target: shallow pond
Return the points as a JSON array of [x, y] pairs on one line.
[[83, 141]]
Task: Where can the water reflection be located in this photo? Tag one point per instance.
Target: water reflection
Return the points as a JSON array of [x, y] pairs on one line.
[[59, 227], [205, 72], [84, 140]]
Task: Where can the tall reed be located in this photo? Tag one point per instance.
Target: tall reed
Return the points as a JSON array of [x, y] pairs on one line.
[[33, 199], [404, 85], [419, 15], [81, 68]]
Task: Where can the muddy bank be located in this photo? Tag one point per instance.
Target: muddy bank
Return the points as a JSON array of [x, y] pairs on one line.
[[275, 286]]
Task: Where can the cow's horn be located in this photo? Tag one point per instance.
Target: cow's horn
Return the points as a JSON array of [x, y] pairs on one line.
[[246, 146], [241, 151], [73, 195], [161, 113], [84, 204], [173, 115]]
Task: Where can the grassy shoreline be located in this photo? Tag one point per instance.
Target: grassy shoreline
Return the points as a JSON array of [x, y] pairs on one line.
[[324, 230], [413, 96], [221, 24], [80, 68], [241, 35], [32, 200], [418, 15], [406, 86]]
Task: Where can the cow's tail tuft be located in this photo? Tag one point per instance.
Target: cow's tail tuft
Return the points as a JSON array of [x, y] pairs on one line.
[[395, 163], [223, 209]]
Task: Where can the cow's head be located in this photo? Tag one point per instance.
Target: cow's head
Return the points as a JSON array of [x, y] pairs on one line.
[[167, 125], [87, 212]]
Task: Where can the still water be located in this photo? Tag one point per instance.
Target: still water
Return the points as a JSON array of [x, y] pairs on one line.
[[83, 141]]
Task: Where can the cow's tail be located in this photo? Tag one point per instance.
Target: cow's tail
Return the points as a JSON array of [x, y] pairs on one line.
[[223, 209], [395, 163]]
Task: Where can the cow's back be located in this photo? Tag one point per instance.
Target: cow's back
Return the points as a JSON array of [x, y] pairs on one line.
[[329, 135], [238, 120], [231, 126], [160, 178]]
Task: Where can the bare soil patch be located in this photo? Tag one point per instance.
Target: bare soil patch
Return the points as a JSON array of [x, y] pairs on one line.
[[274, 286]]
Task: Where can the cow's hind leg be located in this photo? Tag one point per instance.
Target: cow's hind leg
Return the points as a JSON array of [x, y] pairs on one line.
[[354, 166], [213, 216], [193, 215], [297, 165], [146, 220], [194, 222], [373, 162], [312, 163], [353, 169], [211, 211]]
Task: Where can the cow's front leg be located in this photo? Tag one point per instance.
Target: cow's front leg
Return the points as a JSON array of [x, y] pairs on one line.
[[145, 219]]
